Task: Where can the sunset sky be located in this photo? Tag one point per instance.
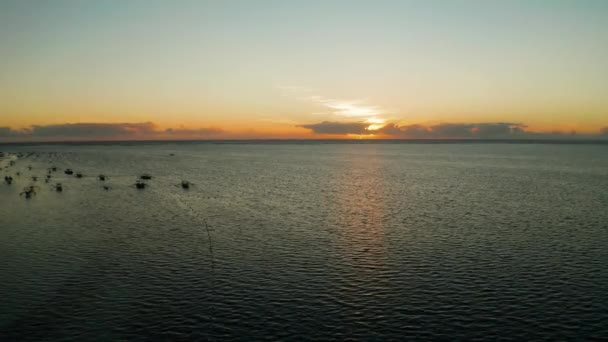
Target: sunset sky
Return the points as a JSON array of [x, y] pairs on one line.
[[145, 69]]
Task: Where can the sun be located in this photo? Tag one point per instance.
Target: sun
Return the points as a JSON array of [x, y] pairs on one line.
[[376, 123]]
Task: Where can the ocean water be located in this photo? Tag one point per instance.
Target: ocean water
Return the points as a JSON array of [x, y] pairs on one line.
[[307, 241]]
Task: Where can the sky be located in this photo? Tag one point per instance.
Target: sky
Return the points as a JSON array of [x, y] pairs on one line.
[[266, 69]]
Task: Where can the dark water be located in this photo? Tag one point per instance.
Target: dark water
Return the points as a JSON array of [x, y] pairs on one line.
[[308, 241]]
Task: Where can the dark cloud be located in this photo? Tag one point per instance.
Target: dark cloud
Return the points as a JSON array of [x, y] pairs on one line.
[[103, 131], [477, 130], [327, 127], [6, 132], [94, 130], [457, 130], [148, 130], [481, 130], [410, 131]]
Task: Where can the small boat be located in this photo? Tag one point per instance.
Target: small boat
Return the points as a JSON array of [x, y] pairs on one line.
[[145, 176], [140, 185], [79, 175], [58, 187], [69, 172], [186, 184]]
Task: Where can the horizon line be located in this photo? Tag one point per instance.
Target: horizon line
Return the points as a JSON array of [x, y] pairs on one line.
[[570, 141]]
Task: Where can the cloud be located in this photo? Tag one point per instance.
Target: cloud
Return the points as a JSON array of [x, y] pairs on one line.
[[456, 130], [149, 131], [93, 130], [345, 108], [104, 131], [480, 130], [413, 131], [6, 132], [327, 127]]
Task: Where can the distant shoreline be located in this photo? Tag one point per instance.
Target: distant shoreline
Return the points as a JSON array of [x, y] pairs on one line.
[[319, 141]]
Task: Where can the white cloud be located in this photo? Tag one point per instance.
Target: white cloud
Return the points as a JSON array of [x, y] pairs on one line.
[[338, 107]]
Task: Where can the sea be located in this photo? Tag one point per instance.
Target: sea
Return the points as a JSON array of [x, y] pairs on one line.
[[295, 241]]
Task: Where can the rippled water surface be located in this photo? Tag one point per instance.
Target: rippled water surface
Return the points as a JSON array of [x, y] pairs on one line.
[[307, 241]]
